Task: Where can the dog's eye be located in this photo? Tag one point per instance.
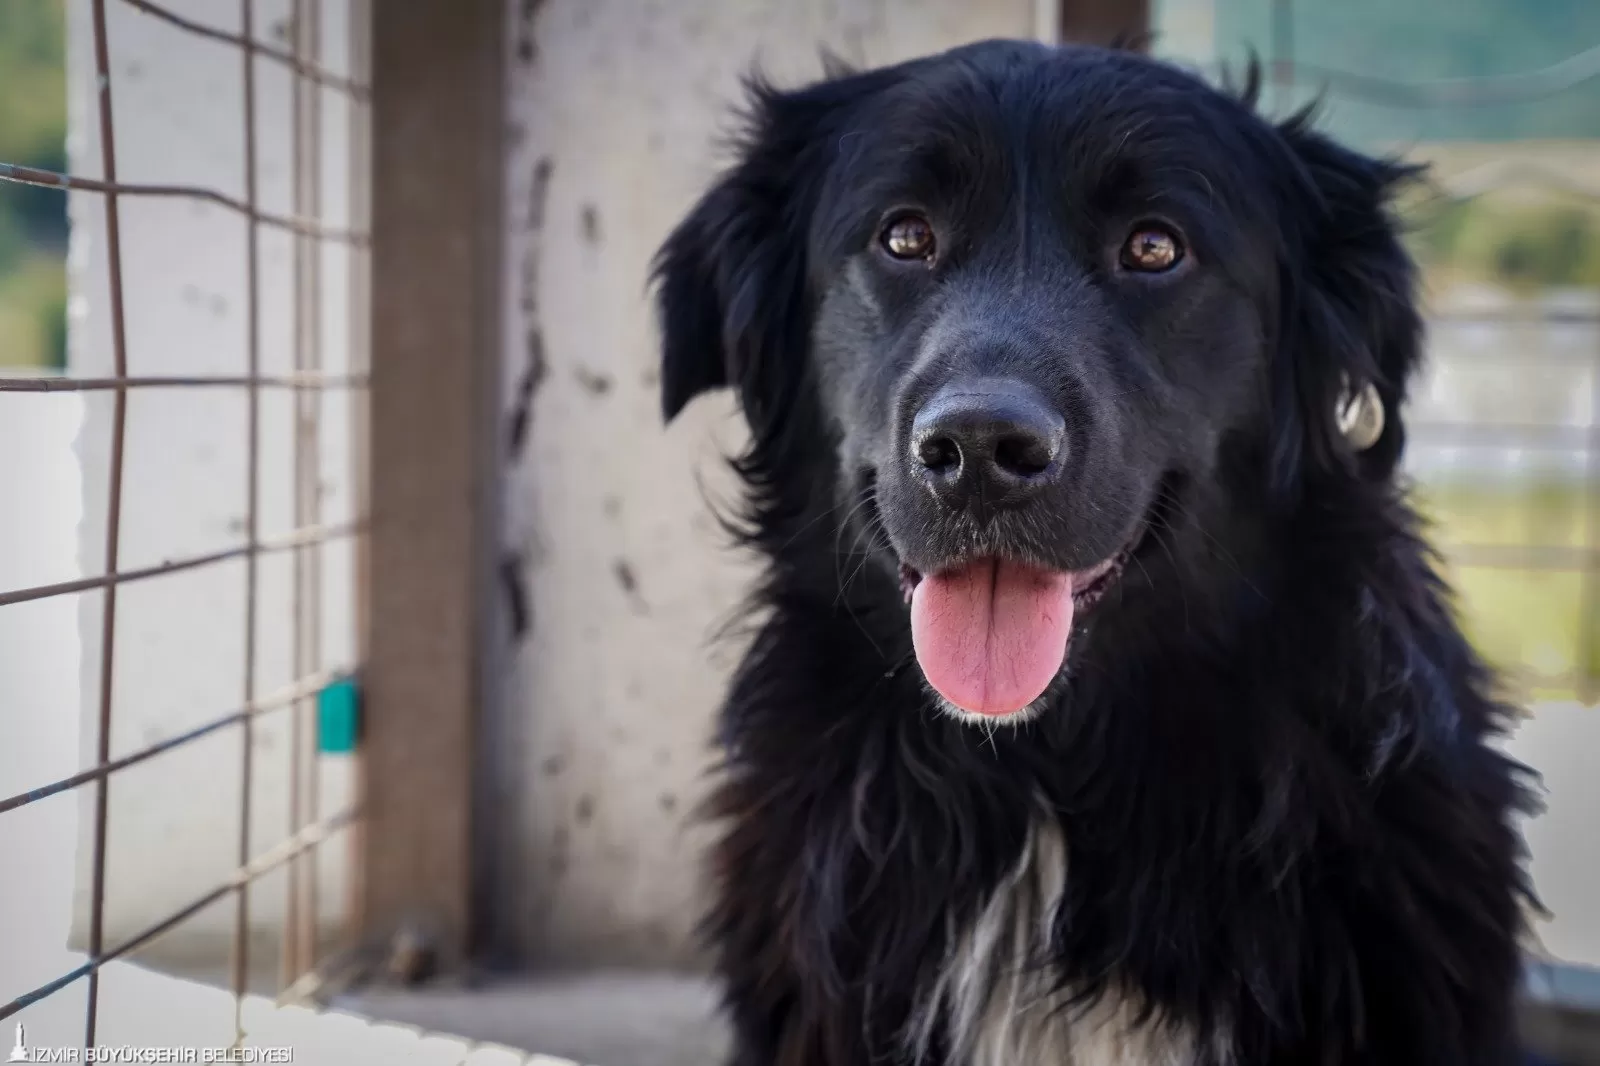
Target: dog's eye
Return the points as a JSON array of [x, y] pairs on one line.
[[908, 237], [1152, 249]]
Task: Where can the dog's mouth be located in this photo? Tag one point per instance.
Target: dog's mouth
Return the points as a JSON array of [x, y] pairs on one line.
[[1088, 585], [991, 633]]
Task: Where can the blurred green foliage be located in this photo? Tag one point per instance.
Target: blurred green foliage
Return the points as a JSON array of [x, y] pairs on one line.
[[1523, 246], [33, 222]]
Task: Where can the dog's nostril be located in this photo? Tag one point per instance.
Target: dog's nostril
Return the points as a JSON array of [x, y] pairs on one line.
[[1024, 455], [986, 439], [939, 454]]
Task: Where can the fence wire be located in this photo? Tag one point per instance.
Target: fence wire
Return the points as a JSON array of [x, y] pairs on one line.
[[308, 826]]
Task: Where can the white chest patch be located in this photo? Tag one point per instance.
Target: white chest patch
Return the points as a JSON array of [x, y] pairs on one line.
[[995, 1006]]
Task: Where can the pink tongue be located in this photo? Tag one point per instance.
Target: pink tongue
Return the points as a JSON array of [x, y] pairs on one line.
[[991, 636]]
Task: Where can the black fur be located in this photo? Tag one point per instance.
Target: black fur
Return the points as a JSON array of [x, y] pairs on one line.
[[1270, 756]]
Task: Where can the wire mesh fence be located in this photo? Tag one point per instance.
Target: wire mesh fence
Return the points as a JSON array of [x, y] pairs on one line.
[[309, 380]]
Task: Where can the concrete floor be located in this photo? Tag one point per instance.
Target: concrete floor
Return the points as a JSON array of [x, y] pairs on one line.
[[639, 1019], [597, 1019], [560, 1019]]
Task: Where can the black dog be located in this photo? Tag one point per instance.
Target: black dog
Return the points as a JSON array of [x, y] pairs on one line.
[[1049, 344]]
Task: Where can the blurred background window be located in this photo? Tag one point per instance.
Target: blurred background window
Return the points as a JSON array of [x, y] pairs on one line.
[[1502, 99]]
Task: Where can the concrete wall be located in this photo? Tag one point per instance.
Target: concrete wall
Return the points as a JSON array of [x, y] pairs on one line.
[[617, 111]]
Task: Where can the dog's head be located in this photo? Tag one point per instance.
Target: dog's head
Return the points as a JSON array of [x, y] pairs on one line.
[[1040, 308]]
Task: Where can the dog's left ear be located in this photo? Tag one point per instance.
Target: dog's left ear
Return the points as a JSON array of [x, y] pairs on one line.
[[1351, 331]]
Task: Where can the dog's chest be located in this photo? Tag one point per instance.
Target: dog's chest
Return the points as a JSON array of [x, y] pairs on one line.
[[993, 1001]]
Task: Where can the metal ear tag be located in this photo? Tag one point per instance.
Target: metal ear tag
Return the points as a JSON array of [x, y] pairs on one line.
[[1359, 415]]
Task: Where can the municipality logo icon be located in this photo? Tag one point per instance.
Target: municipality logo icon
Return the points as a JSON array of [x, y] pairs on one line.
[[19, 1050]]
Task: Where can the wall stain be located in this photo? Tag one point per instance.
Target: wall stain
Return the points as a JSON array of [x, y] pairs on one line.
[[527, 40], [535, 363], [584, 812], [514, 580], [623, 571], [514, 564], [539, 194], [590, 221], [533, 376], [596, 384]]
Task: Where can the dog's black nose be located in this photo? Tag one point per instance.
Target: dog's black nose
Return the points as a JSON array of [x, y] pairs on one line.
[[992, 442]]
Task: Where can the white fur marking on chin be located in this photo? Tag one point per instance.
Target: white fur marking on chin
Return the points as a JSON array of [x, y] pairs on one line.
[[996, 1006]]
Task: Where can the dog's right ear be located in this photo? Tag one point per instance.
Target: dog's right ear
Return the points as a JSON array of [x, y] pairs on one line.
[[689, 305], [731, 280]]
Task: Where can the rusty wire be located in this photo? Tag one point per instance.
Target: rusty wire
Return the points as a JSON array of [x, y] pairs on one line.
[[247, 873], [50, 179], [309, 382], [263, 546], [309, 686], [308, 69], [119, 424], [299, 381], [300, 935], [241, 930]]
